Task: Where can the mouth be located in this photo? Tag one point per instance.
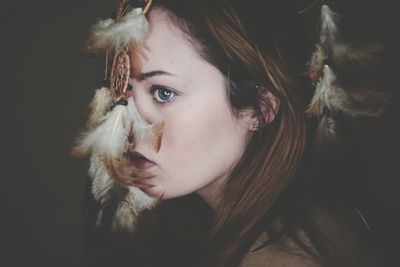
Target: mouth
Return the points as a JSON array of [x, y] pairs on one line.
[[140, 161]]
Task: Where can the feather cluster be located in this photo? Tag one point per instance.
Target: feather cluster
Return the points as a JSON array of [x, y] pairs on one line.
[[337, 94], [107, 143], [132, 28], [110, 128]]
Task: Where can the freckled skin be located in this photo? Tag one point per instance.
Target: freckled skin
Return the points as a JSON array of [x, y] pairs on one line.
[[202, 140]]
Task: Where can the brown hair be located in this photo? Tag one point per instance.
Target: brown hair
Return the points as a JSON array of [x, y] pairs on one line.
[[282, 180], [252, 45]]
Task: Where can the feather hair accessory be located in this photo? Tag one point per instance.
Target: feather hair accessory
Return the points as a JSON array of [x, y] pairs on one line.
[[150, 134], [100, 105], [334, 94], [327, 41], [133, 28], [114, 120], [329, 29]]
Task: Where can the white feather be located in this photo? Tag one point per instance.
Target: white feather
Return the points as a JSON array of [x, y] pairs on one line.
[[329, 29], [317, 59], [328, 95], [141, 128], [110, 137], [128, 210], [141, 199], [101, 179], [125, 216], [327, 40], [133, 27], [100, 105]]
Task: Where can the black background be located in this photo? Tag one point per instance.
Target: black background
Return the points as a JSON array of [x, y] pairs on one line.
[[47, 81]]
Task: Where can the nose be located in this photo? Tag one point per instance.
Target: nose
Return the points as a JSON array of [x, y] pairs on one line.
[[145, 134], [151, 140]]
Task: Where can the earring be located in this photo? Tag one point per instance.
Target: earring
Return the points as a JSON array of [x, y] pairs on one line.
[[256, 126], [262, 89]]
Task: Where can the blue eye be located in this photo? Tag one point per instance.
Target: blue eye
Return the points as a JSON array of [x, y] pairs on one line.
[[162, 95]]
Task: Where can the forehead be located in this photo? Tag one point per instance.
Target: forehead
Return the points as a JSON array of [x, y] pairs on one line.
[[166, 48]]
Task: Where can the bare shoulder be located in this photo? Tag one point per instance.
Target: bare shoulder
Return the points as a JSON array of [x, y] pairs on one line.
[[278, 255], [343, 236]]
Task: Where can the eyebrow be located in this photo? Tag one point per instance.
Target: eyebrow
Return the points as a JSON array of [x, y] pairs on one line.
[[144, 76]]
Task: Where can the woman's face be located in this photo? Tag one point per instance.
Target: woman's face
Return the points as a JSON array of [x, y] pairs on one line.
[[202, 140]]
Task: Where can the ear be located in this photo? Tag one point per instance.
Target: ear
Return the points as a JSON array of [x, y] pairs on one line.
[[269, 107]]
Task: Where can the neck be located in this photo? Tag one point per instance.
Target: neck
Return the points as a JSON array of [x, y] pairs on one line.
[[211, 192]]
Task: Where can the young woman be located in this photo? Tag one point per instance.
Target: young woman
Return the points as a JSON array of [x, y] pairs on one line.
[[207, 147]]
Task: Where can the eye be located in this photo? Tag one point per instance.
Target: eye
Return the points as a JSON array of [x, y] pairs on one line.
[[162, 94]]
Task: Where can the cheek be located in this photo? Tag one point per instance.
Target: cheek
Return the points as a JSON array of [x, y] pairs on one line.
[[200, 144], [200, 129]]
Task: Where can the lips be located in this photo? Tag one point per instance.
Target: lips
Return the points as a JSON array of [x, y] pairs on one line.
[[140, 161]]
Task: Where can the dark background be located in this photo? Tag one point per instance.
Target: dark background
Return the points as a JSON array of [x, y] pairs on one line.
[[47, 82]]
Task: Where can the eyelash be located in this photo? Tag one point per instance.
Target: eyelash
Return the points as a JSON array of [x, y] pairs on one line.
[[155, 88]]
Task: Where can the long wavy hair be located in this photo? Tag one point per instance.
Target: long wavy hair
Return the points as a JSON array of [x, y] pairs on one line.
[[257, 47]]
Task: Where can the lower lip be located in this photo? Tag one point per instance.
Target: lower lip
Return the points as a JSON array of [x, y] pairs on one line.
[[144, 164]]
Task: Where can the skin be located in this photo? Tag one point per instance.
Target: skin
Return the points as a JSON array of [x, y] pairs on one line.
[[202, 138]]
